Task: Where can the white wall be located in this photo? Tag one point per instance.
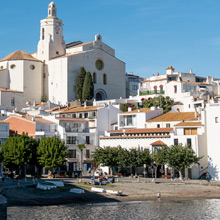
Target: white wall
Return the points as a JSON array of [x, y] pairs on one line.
[[213, 139]]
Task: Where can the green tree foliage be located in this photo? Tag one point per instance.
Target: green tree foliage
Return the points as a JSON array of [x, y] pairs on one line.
[[19, 151], [107, 156], [180, 157], [80, 82], [51, 152], [159, 101], [159, 156], [81, 147], [124, 107], [138, 158], [88, 87]]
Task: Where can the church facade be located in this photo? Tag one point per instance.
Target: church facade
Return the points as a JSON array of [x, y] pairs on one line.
[[51, 72]]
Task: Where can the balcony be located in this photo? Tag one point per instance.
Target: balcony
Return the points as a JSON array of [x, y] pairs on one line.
[[77, 130], [45, 132], [150, 92]]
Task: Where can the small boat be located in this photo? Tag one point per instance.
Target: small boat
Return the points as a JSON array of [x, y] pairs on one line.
[[77, 190], [117, 193], [97, 189], [98, 183], [58, 184], [44, 186]]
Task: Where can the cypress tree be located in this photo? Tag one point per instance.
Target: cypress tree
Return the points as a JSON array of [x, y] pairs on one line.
[[80, 82], [88, 87]]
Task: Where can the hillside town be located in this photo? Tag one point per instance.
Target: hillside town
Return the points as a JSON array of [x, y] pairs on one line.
[[39, 97]]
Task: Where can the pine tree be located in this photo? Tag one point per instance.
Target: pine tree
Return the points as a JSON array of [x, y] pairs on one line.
[[88, 87], [80, 82]]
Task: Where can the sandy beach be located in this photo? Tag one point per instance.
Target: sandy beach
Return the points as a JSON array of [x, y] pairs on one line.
[[132, 191]]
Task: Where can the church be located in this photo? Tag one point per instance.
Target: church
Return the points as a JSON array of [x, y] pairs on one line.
[[51, 72]]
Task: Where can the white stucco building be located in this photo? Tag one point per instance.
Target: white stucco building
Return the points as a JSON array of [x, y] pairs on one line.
[[50, 73], [191, 90], [4, 134]]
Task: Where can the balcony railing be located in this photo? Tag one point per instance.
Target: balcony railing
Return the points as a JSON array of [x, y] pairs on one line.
[[78, 130], [150, 92]]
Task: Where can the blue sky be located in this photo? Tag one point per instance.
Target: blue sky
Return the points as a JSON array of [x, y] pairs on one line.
[[148, 35]]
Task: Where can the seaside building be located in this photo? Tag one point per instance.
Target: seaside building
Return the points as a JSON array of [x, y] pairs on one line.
[[212, 129], [191, 90], [134, 131], [4, 134], [132, 84]]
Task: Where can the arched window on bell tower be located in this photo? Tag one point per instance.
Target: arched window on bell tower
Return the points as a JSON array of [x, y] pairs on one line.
[[42, 33]]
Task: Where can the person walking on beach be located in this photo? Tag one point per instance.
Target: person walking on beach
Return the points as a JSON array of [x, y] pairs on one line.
[[208, 177], [158, 196]]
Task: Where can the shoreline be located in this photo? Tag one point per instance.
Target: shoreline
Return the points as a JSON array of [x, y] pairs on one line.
[[132, 191]]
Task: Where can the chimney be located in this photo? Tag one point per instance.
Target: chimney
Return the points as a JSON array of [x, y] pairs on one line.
[[139, 110], [191, 72], [129, 109], [33, 118], [85, 106], [178, 110], [152, 108], [34, 103]]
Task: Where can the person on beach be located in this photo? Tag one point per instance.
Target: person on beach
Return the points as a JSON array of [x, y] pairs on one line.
[[208, 177], [158, 196]]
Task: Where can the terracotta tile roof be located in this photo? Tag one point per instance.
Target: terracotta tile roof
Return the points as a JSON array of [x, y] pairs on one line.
[[133, 137], [189, 123], [82, 109], [175, 116], [10, 90], [116, 131], [136, 111], [158, 143], [156, 80], [148, 130], [20, 55], [29, 118], [170, 68], [3, 121], [72, 119]]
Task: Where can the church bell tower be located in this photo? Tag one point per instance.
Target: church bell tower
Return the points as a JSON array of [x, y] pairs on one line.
[[51, 42]]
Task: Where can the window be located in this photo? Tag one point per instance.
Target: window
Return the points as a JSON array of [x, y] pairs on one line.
[[189, 142], [158, 125], [216, 119], [155, 89], [87, 140], [94, 78], [134, 87], [32, 67], [99, 64], [85, 115], [189, 105], [72, 153], [57, 52], [12, 66], [80, 115], [175, 89], [167, 125], [104, 79], [161, 88], [190, 131], [71, 140], [87, 153], [13, 101], [42, 33], [176, 142]]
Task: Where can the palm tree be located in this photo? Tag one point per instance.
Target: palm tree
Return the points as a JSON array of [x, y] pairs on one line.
[[81, 147]]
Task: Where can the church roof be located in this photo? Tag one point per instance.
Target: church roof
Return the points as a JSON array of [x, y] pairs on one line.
[[20, 55]]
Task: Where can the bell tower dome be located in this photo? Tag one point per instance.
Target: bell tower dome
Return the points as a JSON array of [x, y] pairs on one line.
[[51, 42]]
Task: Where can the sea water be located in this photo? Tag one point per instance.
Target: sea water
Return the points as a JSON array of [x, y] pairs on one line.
[[153, 210]]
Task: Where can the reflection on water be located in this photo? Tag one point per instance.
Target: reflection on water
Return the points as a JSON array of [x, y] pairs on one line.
[[178, 209]]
